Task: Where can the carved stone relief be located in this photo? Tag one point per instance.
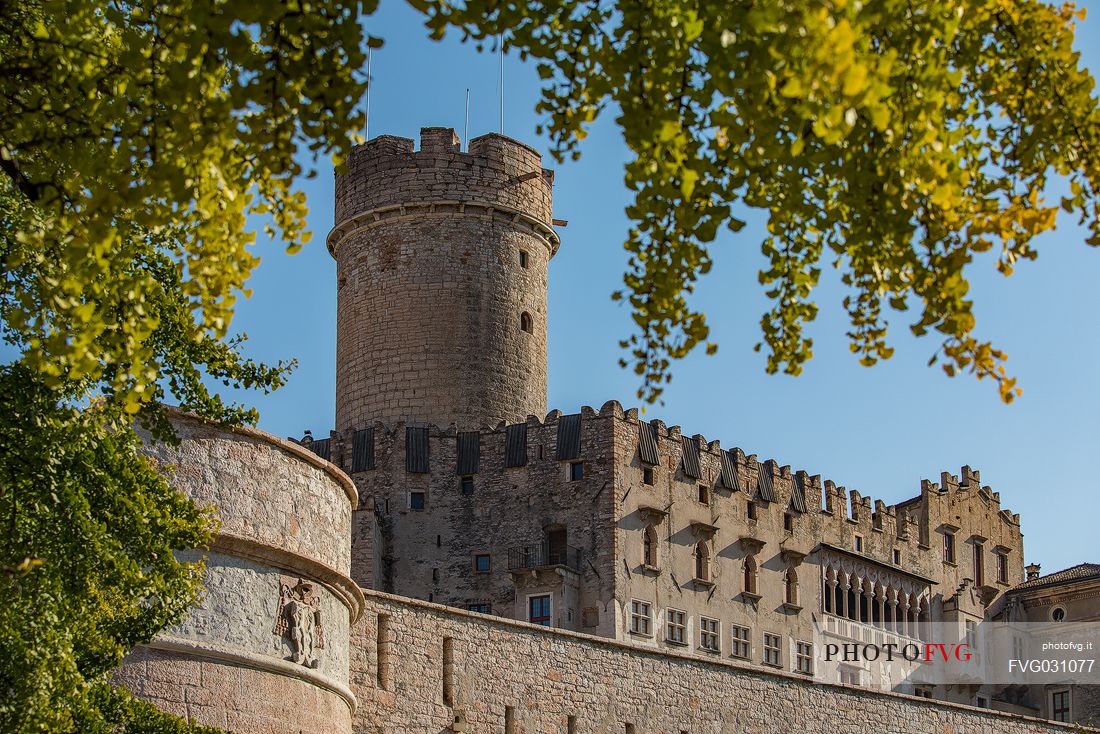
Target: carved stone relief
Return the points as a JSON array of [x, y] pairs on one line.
[[298, 619]]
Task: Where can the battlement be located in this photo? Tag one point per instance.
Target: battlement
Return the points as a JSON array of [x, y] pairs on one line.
[[497, 175], [824, 496], [442, 267]]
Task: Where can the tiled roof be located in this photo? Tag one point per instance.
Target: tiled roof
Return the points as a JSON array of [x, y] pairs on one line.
[[1079, 572]]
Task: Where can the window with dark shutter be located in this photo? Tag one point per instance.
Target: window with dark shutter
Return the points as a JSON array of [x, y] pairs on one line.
[[321, 448], [416, 450], [515, 445], [647, 444], [469, 452], [362, 450], [569, 437], [798, 494], [730, 480], [764, 483], [691, 458]]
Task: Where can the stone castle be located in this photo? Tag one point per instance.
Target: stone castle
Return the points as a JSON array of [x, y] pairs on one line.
[[454, 558]]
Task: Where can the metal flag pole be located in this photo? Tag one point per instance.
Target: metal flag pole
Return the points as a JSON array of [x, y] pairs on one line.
[[500, 42], [466, 130], [366, 110]]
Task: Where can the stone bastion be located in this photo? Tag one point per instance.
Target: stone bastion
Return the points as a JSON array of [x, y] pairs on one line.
[[267, 649]]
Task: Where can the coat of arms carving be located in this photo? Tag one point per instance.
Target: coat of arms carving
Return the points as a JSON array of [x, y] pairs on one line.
[[298, 619]]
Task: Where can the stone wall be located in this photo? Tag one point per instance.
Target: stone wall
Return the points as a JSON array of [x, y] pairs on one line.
[[430, 553], [505, 676], [285, 519], [442, 263]]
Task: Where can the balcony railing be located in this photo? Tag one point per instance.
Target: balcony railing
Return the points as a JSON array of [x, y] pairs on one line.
[[544, 554]]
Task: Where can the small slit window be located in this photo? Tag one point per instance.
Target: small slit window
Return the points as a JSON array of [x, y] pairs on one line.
[[525, 322], [647, 475], [523, 258], [702, 562], [576, 471], [649, 547], [467, 484]]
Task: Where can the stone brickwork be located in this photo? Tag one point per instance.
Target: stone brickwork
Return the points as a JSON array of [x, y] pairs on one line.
[[831, 560], [442, 261], [267, 649], [676, 585], [511, 677], [233, 695], [431, 553]]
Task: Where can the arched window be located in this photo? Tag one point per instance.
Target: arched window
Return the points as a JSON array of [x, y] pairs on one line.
[[525, 322], [790, 584], [749, 582], [702, 561], [649, 546]]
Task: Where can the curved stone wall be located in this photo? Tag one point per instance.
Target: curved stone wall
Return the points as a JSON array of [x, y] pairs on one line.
[[267, 649], [442, 260]]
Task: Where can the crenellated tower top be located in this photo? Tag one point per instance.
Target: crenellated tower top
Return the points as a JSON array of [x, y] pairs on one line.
[[442, 265]]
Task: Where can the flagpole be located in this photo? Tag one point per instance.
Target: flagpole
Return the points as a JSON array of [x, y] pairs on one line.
[[466, 130], [366, 110], [500, 42]]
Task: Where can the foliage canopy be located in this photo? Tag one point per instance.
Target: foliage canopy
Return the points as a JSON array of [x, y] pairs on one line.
[[135, 139], [896, 139], [893, 139]]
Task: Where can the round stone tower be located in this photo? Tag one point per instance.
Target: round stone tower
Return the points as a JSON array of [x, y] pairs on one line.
[[441, 264]]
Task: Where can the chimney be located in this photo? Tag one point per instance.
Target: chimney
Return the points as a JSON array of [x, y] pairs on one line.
[[1032, 571]]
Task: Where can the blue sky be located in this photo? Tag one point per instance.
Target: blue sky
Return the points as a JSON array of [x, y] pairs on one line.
[[878, 430]]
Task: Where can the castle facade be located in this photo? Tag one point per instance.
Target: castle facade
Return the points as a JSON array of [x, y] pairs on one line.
[[471, 495], [454, 558]]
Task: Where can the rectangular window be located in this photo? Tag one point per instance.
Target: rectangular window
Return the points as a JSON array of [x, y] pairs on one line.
[[788, 522], [416, 500], [948, 547], [538, 610], [750, 510], [522, 258], [897, 557], [979, 564], [467, 484], [1002, 568], [804, 657], [771, 650], [740, 637], [709, 635], [647, 475], [859, 544], [1059, 706], [704, 494], [481, 563], [639, 617], [971, 629], [482, 607], [676, 632], [576, 471]]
